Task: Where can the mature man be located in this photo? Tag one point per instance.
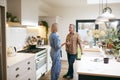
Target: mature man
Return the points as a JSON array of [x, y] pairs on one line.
[[72, 42]]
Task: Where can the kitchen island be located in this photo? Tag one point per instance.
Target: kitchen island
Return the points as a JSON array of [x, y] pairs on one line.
[[92, 67]]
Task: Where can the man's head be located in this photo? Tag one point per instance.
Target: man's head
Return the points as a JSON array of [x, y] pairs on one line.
[[71, 28]]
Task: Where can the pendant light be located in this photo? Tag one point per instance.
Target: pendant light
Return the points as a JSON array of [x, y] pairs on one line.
[[107, 13], [100, 19]]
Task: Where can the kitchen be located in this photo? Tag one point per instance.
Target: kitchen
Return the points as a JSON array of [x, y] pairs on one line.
[[29, 17]]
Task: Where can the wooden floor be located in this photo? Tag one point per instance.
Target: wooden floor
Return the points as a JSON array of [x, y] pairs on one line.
[[63, 71]]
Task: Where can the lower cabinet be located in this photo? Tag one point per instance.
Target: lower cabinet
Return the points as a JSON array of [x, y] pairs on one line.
[[29, 76], [24, 70]]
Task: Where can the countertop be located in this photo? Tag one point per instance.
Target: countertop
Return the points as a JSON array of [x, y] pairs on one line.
[[18, 58], [87, 66], [43, 46]]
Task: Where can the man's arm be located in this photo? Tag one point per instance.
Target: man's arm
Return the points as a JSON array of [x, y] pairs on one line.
[[81, 48]]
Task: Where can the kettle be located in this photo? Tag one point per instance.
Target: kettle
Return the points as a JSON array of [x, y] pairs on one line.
[[11, 51]]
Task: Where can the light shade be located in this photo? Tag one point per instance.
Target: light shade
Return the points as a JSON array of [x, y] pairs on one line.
[[108, 15], [101, 20]]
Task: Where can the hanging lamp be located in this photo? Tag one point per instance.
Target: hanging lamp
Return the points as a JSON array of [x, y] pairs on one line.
[[100, 19], [107, 12]]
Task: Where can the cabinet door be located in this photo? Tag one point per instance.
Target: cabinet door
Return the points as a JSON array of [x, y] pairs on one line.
[[2, 2]]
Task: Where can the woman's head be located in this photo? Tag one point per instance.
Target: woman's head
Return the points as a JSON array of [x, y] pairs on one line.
[[54, 27]]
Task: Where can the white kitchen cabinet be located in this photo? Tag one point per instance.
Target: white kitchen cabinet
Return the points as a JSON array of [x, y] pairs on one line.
[[25, 10], [21, 67], [2, 2]]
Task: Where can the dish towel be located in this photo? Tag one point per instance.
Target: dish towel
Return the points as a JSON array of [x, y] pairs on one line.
[[79, 54]]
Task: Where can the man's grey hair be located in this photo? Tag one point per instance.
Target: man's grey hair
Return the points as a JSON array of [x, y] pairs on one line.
[[73, 26]]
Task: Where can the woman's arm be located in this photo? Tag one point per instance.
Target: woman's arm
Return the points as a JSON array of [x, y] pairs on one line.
[[56, 42], [63, 44]]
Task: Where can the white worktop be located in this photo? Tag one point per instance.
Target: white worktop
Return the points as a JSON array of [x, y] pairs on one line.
[[43, 46], [18, 58], [87, 66]]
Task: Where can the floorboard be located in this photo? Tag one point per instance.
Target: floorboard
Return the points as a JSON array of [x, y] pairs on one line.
[[63, 71]]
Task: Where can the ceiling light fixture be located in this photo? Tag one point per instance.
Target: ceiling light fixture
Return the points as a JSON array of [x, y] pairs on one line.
[[101, 19], [106, 14]]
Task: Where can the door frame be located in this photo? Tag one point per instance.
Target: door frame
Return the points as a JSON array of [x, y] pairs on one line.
[[3, 71]]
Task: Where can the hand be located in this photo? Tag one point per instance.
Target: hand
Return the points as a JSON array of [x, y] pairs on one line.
[[63, 44], [68, 42]]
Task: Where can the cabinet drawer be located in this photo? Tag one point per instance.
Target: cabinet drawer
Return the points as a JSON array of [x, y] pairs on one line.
[[13, 76], [15, 72], [30, 65], [29, 76]]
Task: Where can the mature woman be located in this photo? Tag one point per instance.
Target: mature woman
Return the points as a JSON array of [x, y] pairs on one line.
[[55, 52]]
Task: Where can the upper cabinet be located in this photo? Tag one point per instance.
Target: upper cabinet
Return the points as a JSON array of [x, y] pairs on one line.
[[2, 2], [26, 13]]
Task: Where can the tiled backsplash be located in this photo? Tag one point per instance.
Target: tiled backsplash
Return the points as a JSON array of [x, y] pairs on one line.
[[17, 36], [36, 31]]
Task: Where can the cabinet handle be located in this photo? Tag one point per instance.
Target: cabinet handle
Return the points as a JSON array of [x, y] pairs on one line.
[[28, 68], [29, 79], [28, 63], [17, 68], [17, 75]]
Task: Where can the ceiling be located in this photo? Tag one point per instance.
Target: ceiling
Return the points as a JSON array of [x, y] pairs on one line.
[[76, 3], [65, 3]]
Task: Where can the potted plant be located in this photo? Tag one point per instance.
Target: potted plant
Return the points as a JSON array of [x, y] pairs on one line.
[[45, 24]]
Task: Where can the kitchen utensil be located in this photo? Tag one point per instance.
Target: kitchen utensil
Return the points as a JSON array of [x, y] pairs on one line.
[[11, 51]]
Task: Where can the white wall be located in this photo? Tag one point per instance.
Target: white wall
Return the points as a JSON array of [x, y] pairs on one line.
[[16, 36], [44, 8], [83, 12]]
